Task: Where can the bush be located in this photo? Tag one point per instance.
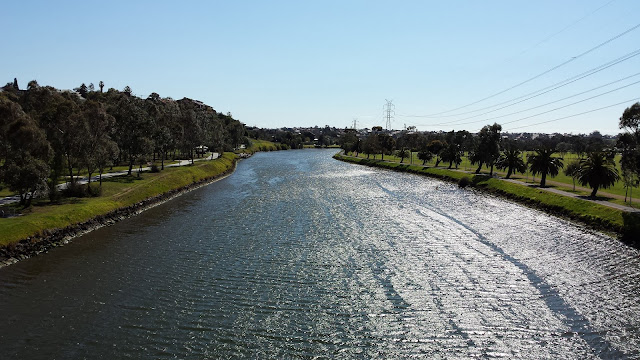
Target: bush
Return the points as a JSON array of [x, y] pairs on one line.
[[155, 168], [81, 191], [464, 182], [75, 190]]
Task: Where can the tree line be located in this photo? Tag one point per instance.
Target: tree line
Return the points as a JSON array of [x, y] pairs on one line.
[[595, 166], [47, 134]]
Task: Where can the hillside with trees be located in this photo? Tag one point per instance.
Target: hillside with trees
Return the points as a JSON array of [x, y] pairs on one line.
[[49, 135]]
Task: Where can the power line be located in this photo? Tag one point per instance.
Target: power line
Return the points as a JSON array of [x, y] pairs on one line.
[[542, 91], [544, 72], [564, 29], [574, 103], [553, 102], [582, 113]]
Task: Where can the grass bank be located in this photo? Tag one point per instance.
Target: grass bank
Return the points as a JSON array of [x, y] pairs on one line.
[[44, 218], [603, 218], [262, 145]]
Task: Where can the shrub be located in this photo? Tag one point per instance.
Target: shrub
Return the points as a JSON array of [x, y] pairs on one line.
[[155, 168], [464, 182]]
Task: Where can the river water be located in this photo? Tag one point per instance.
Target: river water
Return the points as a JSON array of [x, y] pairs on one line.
[[297, 255]]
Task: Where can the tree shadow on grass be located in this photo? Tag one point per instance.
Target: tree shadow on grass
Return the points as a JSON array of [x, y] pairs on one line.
[[599, 198], [123, 179]]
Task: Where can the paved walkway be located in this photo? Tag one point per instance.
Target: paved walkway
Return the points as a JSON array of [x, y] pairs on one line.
[[581, 197], [84, 180]]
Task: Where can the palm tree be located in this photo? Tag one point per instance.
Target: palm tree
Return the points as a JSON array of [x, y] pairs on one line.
[[544, 164], [511, 159], [598, 170], [573, 170]]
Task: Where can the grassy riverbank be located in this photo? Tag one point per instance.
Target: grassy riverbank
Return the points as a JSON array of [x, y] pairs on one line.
[[118, 192], [595, 215]]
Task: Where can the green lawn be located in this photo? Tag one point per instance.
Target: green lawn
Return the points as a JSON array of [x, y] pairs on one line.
[[116, 193], [617, 189], [601, 216]]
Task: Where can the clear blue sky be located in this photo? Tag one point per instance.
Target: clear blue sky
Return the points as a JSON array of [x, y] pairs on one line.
[[305, 63]]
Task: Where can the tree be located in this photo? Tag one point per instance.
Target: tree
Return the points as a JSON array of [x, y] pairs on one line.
[[630, 180], [425, 155], [598, 170], [101, 85], [32, 85], [132, 129], [26, 153], [453, 152], [573, 170], [82, 90], [630, 161], [511, 159], [99, 148], [349, 142], [435, 147], [402, 153], [629, 142], [631, 118], [371, 145], [487, 147], [543, 163], [387, 144]]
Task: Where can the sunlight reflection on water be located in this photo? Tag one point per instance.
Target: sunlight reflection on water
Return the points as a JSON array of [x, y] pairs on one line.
[[329, 260]]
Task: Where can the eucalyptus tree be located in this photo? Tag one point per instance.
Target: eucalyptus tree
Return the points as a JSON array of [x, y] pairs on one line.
[[573, 170], [349, 142], [544, 163], [53, 111], [191, 124], [436, 147], [402, 154], [371, 145], [598, 170], [99, 148], [425, 155], [25, 152], [630, 141], [454, 150], [629, 162], [387, 144], [132, 128]]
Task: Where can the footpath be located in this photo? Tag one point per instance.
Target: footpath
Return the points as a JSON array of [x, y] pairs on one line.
[[581, 197], [16, 198]]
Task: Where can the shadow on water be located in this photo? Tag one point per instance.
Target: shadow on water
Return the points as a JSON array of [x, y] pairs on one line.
[[576, 323]]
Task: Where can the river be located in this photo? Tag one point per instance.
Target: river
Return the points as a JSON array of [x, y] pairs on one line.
[[297, 255]]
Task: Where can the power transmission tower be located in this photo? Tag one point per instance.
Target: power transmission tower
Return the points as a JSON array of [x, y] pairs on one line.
[[389, 112], [355, 121]]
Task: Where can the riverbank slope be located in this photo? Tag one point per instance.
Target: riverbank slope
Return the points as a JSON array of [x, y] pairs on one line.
[[625, 225], [47, 225]]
